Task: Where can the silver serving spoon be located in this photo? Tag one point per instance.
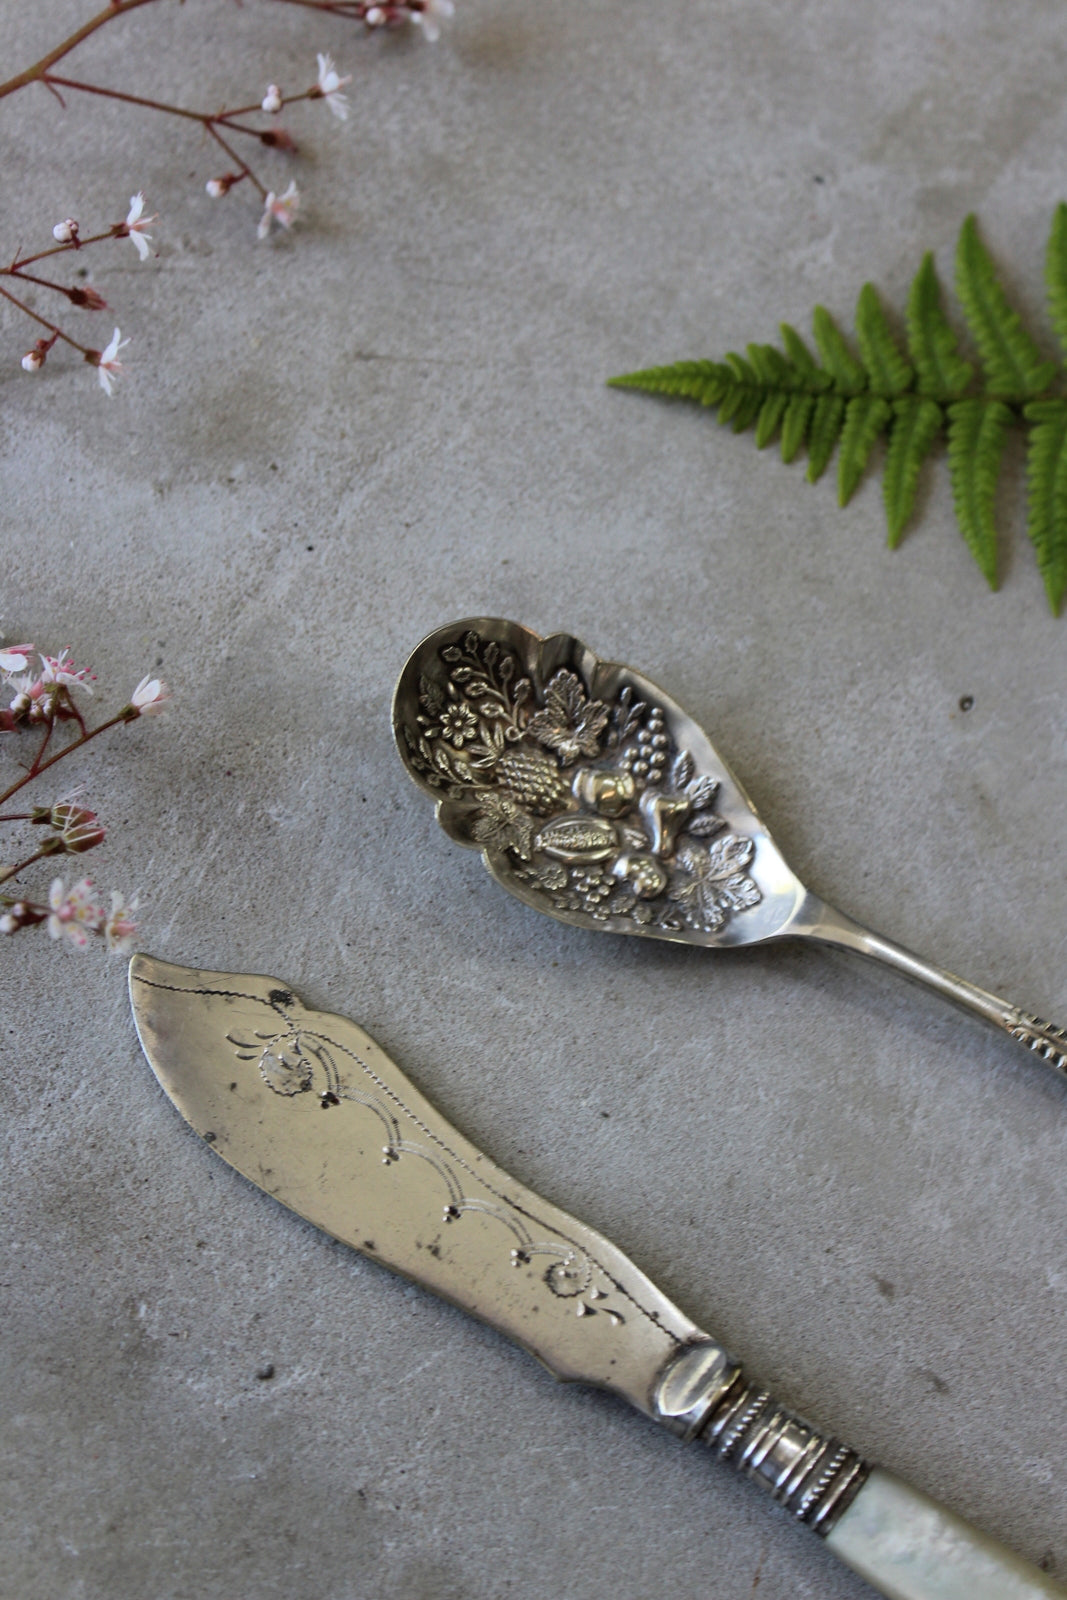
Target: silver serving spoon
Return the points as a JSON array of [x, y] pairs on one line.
[[595, 798]]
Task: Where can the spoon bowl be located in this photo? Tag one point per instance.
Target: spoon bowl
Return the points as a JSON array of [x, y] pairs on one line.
[[594, 797]]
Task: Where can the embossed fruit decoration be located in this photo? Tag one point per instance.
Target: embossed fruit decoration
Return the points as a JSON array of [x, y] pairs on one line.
[[607, 790], [533, 778], [644, 874], [589, 804], [645, 755]]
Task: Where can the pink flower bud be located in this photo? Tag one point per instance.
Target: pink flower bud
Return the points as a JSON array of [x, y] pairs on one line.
[[217, 187], [89, 298], [79, 828], [65, 232], [278, 139]]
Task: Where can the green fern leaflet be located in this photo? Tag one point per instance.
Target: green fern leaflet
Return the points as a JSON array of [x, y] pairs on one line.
[[911, 397]]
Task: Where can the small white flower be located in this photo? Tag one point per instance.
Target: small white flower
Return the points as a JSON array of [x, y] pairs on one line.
[[375, 17], [9, 923], [15, 657], [280, 209], [430, 12], [119, 925], [108, 366], [272, 100], [216, 188], [65, 232], [75, 915], [136, 223], [61, 671], [330, 87], [33, 361], [150, 696]]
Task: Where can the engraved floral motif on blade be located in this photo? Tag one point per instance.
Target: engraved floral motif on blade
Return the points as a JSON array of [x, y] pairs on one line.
[[589, 804], [297, 1060]]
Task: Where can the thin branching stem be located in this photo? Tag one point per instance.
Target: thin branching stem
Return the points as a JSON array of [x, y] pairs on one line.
[[39, 757], [40, 72], [244, 168], [56, 332], [7, 873], [31, 277], [37, 72], [57, 250], [67, 750]]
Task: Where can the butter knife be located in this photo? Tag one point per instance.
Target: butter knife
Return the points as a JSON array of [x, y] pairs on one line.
[[309, 1108]]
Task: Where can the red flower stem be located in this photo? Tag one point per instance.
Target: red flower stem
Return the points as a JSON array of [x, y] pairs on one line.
[[247, 111], [353, 10], [67, 750], [44, 322], [56, 250], [31, 277], [246, 170], [38, 71], [18, 816], [7, 873], [203, 117], [43, 747]]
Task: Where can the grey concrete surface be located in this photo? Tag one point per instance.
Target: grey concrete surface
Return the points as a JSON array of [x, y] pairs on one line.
[[329, 444]]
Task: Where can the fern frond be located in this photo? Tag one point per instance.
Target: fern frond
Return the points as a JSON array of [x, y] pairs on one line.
[[910, 397], [847, 374], [769, 420], [703, 381], [803, 362], [770, 366], [747, 408], [943, 373], [1047, 494], [1056, 274], [1011, 359], [917, 422], [888, 372], [977, 432], [795, 424], [827, 420], [866, 418]]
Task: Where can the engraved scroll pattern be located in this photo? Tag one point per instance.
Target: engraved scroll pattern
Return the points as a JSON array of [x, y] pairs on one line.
[[294, 1059]]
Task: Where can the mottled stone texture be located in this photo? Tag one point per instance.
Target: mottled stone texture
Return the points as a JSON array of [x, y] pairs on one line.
[[328, 445]]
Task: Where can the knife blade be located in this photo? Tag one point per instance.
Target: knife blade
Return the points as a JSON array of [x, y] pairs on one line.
[[309, 1108]]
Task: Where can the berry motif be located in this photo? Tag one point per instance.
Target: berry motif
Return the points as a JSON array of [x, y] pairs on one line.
[[533, 779]]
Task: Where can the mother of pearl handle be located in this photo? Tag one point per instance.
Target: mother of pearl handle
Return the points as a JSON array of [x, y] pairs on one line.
[[903, 1543], [911, 1548]]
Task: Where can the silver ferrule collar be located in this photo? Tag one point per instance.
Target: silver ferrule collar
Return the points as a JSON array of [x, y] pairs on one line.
[[691, 1386], [704, 1394]]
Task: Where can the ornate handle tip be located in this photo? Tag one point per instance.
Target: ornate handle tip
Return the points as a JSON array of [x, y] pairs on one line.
[[1043, 1038]]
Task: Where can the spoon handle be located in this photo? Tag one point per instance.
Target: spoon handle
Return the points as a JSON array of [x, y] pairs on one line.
[[832, 927]]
